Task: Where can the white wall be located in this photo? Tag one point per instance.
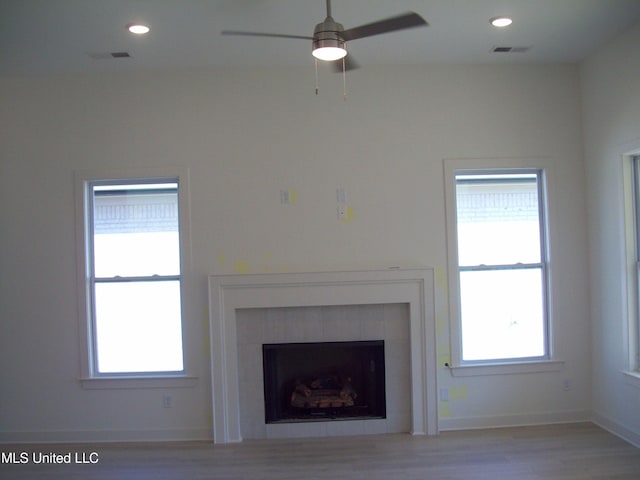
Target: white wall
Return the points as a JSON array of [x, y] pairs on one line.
[[246, 135], [611, 114]]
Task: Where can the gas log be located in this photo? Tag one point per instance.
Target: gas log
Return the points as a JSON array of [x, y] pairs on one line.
[[333, 391]]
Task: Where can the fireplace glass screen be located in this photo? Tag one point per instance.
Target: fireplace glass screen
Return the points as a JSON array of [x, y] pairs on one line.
[[324, 381]]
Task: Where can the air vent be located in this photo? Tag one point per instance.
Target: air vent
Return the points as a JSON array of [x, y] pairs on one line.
[[108, 55], [511, 49]]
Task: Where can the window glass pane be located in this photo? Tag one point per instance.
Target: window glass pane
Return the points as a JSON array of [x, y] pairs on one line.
[[502, 314], [498, 219], [135, 230], [137, 254], [138, 326]]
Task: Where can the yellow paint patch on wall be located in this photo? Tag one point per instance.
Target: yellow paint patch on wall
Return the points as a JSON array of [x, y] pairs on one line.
[[222, 260], [266, 258], [349, 215], [444, 353], [206, 337], [444, 358], [242, 267], [440, 275], [443, 410], [441, 325], [458, 393], [293, 195]]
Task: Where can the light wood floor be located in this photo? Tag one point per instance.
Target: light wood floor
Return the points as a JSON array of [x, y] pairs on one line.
[[559, 452]]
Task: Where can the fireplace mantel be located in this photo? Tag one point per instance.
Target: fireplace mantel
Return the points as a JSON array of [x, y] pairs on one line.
[[229, 293]]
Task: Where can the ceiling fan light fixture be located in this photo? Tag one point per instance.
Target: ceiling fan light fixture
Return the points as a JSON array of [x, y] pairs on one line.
[[329, 54], [328, 44]]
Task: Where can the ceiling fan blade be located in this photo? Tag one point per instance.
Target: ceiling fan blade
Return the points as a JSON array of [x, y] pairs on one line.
[[401, 22], [259, 34], [349, 64]]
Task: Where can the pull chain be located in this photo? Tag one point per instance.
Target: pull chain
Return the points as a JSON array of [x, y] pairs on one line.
[[316, 62], [344, 80]]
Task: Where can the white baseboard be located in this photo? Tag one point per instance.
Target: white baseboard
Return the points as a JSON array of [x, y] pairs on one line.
[[104, 436], [619, 430], [444, 424], [499, 421]]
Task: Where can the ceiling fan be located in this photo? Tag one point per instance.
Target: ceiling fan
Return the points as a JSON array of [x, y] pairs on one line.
[[329, 37]]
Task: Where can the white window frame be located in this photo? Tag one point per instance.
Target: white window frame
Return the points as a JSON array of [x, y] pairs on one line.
[[634, 327], [89, 377], [458, 366], [631, 193]]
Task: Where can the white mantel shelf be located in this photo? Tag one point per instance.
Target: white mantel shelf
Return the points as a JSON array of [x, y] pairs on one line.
[[229, 293]]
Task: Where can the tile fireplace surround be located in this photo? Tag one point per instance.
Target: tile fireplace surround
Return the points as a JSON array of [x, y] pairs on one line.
[[246, 310]]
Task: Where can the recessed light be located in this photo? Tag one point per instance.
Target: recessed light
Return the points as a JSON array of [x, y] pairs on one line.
[[138, 28], [500, 21]]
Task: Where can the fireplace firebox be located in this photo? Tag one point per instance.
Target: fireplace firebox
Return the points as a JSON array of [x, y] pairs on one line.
[[324, 381]]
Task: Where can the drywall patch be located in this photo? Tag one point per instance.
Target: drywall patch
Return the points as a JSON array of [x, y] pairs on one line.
[[441, 325], [348, 216], [206, 337], [242, 267], [440, 275], [443, 410], [443, 354], [460, 392]]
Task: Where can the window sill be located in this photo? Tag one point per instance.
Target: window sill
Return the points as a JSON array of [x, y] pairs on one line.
[[632, 377], [506, 368], [177, 381]]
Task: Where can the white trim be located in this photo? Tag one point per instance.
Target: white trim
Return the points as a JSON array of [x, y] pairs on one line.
[[450, 167], [473, 370], [631, 378], [81, 180], [617, 429], [631, 318], [96, 383], [99, 436], [517, 420], [227, 293]]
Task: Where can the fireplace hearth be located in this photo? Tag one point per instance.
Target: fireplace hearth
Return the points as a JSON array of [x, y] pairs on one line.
[[324, 381]]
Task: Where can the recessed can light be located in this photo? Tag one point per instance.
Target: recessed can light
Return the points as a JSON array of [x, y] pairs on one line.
[[500, 21], [138, 28]]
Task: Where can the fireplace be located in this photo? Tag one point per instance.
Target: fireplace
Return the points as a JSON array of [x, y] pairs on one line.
[[247, 311], [324, 381]]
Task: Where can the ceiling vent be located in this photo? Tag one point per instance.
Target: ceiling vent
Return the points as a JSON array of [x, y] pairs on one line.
[[511, 49], [108, 55]]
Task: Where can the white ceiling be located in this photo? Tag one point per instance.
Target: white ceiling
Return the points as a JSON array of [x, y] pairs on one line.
[[56, 36]]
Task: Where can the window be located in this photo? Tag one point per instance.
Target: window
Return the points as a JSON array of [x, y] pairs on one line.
[[133, 276], [634, 280], [500, 266]]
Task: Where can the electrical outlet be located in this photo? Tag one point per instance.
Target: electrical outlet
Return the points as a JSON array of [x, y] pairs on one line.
[[341, 195], [566, 385], [342, 212], [444, 394], [167, 401]]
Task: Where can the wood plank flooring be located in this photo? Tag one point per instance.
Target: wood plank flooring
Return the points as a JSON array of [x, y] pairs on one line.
[[558, 452]]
